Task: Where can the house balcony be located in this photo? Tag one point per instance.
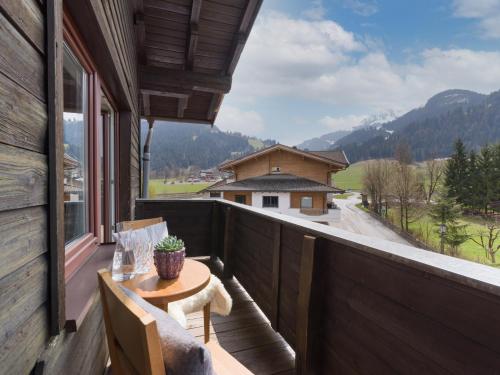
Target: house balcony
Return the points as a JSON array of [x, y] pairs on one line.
[[314, 299]]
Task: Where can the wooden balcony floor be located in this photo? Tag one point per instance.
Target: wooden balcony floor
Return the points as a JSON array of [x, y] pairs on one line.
[[247, 335]]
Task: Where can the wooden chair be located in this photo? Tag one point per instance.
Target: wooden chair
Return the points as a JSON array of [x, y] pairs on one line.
[[133, 341], [137, 224]]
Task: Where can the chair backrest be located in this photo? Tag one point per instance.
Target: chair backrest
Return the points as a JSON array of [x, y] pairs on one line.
[[134, 345], [138, 224]]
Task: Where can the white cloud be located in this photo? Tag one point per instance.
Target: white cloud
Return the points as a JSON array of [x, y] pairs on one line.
[[317, 11], [487, 12], [363, 8], [343, 122], [233, 119], [321, 61]]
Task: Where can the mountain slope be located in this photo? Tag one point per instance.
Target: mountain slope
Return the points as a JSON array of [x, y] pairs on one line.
[[324, 142], [432, 129], [439, 104], [177, 146]]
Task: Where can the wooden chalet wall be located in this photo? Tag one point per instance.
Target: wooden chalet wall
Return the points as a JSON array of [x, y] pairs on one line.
[[288, 163], [24, 259]]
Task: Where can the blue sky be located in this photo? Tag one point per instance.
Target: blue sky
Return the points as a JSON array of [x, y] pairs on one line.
[[311, 67]]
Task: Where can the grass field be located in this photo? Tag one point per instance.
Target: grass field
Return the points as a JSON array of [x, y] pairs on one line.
[[351, 178], [426, 231], [342, 196], [157, 187]]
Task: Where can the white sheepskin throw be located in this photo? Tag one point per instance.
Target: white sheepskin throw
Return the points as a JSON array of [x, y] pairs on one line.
[[215, 293]]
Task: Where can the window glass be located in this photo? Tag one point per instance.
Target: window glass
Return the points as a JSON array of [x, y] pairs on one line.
[[306, 202], [268, 201], [214, 194], [240, 199], [75, 117]]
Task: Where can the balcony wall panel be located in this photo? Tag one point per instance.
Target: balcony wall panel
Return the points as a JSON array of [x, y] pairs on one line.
[[375, 307]]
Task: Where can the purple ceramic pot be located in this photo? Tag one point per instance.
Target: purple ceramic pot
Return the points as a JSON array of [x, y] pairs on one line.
[[169, 264]]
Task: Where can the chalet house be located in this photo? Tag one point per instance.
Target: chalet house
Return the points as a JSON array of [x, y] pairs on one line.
[[283, 179], [76, 77]]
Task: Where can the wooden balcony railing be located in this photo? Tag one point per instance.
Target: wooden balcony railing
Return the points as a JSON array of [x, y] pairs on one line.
[[344, 302]]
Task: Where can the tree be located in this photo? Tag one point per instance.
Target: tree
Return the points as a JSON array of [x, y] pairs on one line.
[[445, 214], [404, 184], [486, 185], [488, 239], [455, 236], [376, 183], [434, 170], [456, 173]]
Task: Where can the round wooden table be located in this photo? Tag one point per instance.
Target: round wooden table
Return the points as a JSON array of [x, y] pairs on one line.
[[193, 278]]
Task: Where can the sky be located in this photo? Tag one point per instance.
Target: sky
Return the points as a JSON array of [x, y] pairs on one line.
[[315, 66]]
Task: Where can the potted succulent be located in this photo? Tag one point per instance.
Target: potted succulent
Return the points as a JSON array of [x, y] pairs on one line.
[[169, 257]]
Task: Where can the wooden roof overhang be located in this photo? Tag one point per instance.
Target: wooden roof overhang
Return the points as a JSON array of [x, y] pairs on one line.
[[188, 51], [230, 164]]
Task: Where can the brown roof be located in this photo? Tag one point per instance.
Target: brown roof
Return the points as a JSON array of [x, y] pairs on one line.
[[188, 51], [275, 183], [337, 155], [337, 158]]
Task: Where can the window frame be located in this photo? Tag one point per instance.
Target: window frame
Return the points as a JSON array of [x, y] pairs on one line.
[[238, 196], [270, 204], [307, 196], [80, 250]]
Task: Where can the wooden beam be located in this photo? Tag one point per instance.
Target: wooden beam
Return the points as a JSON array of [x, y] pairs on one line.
[[276, 274], [146, 108], [237, 49], [182, 104], [140, 32], [239, 41], [170, 80], [302, 342], [214, 232], [214, 106], [193, 33], [54, 56], [177, 95], [228, 244]]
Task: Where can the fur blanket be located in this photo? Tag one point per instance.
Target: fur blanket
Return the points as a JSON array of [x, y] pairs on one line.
[[215, 293]]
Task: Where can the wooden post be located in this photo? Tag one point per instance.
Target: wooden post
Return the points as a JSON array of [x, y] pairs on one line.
[[228, 243], [214, 232], [54, 56], [302, 343], [276, 274]]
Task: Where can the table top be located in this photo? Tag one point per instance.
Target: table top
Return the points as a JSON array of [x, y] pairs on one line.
[[194, 277]]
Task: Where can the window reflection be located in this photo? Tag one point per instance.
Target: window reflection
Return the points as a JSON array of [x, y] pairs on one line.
[[75, 137]]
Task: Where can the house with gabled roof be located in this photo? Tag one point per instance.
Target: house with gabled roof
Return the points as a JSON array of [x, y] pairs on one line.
[[282, 178]]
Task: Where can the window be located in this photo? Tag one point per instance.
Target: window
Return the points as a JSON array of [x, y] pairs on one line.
[[215, 194], [240, 199], [76, 149], [268, 201], [306, 202]]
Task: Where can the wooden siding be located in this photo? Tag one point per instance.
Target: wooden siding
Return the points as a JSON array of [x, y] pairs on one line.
[[23, 187], [24, 259], [231, 196], [288, 162], [372, 308], [319, 199]]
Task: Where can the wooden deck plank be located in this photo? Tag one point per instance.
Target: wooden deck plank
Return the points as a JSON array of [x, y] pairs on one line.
[[247, 335]]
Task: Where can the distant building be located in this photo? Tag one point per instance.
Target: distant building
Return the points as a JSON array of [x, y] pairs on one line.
[[282, 179]]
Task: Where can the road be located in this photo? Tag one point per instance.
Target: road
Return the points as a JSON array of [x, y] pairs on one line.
[[355, 220]]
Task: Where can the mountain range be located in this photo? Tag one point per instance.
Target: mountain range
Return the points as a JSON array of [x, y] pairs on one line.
[[430, 130], [178, 146]]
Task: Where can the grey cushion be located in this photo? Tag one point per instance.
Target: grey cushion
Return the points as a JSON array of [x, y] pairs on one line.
[[182, 353]]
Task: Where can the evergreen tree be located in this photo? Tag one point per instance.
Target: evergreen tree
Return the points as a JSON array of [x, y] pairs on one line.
[[456, 173], [472, 182], [486, 184]]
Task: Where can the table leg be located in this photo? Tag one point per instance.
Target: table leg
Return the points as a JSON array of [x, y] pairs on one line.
[[206, 321]]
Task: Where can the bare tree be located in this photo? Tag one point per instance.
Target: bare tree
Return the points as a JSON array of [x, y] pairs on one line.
[[434, 172], [488, 238], [376, 182], [404, 184]]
